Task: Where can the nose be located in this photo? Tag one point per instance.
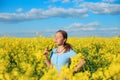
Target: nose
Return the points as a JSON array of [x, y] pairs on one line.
[[55, 39]]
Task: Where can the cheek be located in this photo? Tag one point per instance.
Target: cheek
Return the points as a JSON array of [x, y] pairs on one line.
[[60, 41]]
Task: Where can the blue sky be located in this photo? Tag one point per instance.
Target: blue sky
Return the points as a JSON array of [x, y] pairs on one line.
[[84, 18]]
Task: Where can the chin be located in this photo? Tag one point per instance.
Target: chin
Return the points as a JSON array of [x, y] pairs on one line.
[[56, 43]]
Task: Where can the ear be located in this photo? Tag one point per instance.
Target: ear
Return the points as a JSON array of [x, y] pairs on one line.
[[65, 40]]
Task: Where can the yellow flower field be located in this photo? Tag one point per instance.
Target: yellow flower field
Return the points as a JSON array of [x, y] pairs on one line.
[[23, 59]]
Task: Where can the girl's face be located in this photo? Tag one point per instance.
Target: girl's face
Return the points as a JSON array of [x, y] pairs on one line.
[[59, 39]]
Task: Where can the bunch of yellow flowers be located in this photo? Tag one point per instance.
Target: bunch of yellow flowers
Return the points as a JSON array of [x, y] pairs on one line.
[[22, 59]]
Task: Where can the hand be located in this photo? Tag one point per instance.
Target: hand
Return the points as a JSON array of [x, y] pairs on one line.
[[82, 61], [46, 52]]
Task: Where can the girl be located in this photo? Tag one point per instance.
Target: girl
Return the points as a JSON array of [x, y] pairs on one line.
[[61, 56]]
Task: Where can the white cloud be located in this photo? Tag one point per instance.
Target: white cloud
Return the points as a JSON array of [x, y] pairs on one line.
[[80, 26], [109, 0], [54, 1], [78, 1], [102, 8], [92, 26], [81, 12], [19, 10], [110, 28], [65, 1], [87, 29], [35, 14]]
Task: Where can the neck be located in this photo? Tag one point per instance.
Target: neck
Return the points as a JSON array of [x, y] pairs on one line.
[[60, 49], [60, 46]]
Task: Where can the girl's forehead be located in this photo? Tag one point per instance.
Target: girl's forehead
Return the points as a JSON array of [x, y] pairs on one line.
[[58, 34]]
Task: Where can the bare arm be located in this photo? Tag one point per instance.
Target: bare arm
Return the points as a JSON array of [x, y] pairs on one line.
[[48, 61], [82, 62]]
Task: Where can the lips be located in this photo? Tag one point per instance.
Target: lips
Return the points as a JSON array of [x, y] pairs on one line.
[[56, 42]]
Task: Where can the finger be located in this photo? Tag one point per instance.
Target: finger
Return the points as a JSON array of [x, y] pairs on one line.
[[45, 53], [46, 49]]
